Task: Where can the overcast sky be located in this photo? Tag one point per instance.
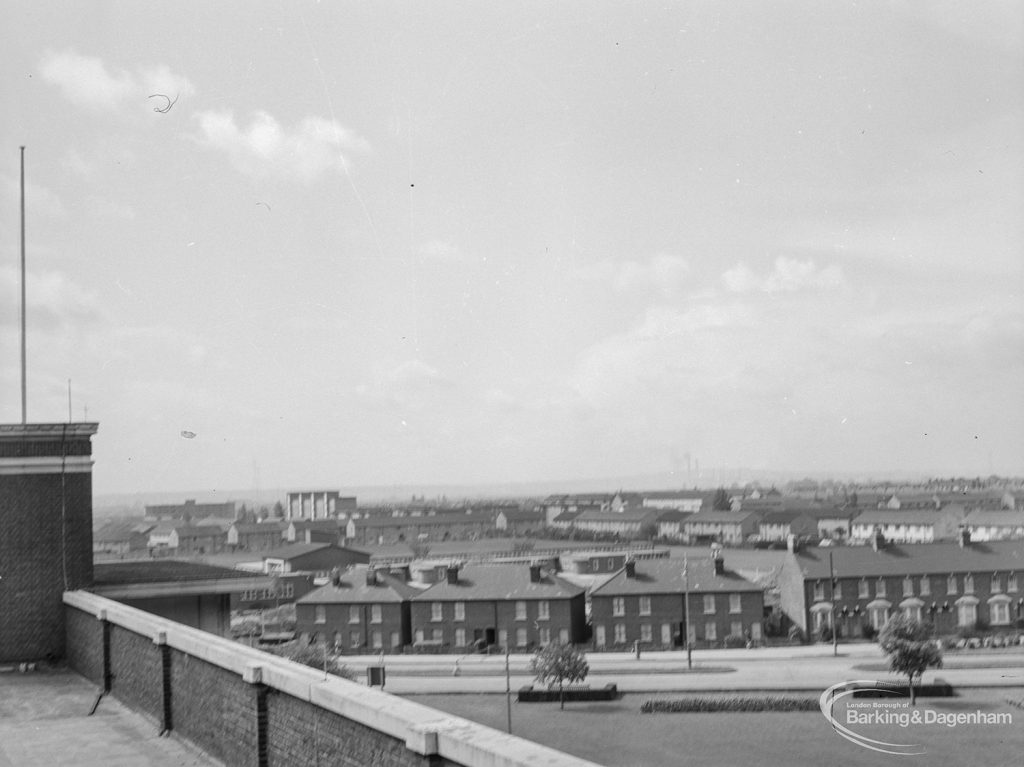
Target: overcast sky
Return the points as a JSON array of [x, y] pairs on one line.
[[379, 243]]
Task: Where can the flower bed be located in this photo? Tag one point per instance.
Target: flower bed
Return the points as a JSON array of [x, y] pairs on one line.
[[733, 703]]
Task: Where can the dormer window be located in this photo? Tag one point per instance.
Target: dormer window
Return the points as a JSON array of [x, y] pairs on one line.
[[997, 585], [951, 584], [908, 587], [863, 589], [880, 588], [968, 584]]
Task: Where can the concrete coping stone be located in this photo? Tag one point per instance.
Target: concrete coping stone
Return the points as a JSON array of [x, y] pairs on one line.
[[419, 727]]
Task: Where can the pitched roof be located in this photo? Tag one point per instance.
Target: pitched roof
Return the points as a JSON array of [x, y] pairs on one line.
[[675, 516], [354, 589], [198, 531], [782, 516], [1004, 518], [912, 559], [121, 531], [672, 495], [629, 516], [900, 517], [498, 582], [722, 516], [248, 528], [293, 550], [660, 576]]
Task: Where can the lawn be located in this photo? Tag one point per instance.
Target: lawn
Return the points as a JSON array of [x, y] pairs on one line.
[[616, 733]]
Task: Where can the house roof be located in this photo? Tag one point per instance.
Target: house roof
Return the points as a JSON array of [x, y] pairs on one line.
[[722, 516], [522, 515], [567, 516], [899, 517], [248, 528], [198, 531], [628, 516], [911, 559], [499, 582], [659, 576], [1004, 518], [293, 550], [354, 589], [675, 516], [782, 516], [449, 518], [673, 495], [316, 524], [120, 531], [159, 571]]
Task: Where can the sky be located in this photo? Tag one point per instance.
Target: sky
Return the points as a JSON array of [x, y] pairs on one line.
[[334, 244]]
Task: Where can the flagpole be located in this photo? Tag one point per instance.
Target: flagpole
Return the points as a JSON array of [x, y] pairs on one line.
[[686, 611], [24, 387]]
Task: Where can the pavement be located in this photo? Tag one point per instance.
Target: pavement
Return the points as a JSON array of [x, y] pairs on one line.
[[800, 668], [45, 722]]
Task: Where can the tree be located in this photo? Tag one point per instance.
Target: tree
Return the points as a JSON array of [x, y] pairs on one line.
[[721, 501], [911, 651], [315, 656], [419, 549], [278, 510], [558, 663]]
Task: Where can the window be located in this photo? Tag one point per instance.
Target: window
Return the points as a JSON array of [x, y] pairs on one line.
[[396, 640], [618, 606], [543, 610], [520, 637], [966, 615], [951, 584], [997, 585], [735, 603], [862, 589], [879, 617], [912, 612], [908, 587], [353, 614], [419, 637], [337, 640], [968, 584], [1011, 582], [436, 611], [437, 635], [1000, 613], [355, 639], [377, 639], [645, 632], [599, 635], [321, 614], [460, 611], [503, 637], [819, 591], [620, 633], [644, 605], [926, 586], [880, 588], [375, 614], [709, 604], [544, 635], [563, 636], [520, 610], [460, 637], [711, 631], [666, 633], [736, 628]]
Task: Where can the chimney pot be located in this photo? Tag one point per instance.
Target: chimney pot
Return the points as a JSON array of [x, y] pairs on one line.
[[452, 573], [630, 568], [534, 573]]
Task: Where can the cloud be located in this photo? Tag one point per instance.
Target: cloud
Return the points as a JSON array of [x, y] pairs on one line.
[[440, 251], [787, 275], [411, 385], [265, 147], [39, 200], [86, 81], [53, 301], [663, 272]]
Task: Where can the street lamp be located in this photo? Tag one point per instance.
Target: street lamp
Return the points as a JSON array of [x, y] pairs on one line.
[[686, 612]]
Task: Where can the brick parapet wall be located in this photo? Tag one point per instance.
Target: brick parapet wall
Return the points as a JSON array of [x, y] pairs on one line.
[[217, 688]]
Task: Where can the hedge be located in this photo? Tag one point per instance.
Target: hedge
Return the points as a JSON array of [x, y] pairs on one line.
[[731, 703]]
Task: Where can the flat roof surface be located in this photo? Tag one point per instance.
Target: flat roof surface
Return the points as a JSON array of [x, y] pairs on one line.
[[159, 571], [44, 721]]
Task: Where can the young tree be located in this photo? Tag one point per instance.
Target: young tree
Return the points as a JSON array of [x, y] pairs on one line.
[[278, 510], [559, 663], [721, 501], [910, 649]]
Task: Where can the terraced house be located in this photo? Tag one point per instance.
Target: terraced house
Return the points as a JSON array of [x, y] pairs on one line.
[[362, 609], [645, 602], [953, 585], [517, 606]]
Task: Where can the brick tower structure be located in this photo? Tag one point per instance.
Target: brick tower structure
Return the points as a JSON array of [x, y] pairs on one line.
[[45, 533]]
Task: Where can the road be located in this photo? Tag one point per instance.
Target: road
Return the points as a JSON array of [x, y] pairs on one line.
[[803, 668]]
